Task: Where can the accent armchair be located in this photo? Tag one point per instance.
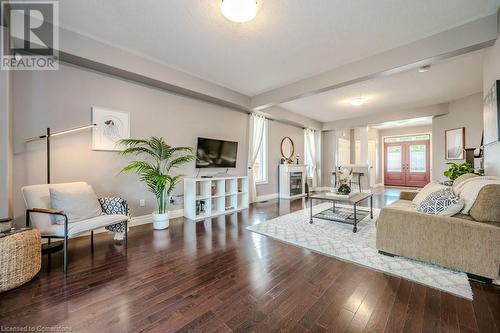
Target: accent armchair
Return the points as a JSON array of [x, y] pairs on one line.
[[114, 216]]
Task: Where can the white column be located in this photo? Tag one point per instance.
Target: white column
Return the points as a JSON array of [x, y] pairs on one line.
[[363, 145]]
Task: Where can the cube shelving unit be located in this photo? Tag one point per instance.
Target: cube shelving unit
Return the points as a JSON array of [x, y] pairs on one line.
[[208, 197]]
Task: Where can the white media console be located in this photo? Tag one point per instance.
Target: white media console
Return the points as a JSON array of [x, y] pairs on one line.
[[208, 197]]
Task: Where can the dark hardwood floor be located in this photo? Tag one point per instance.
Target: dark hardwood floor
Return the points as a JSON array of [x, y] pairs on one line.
[[218, 277]]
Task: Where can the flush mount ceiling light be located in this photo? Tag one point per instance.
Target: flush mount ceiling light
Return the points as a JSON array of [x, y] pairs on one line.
[[424, 69], [239, 11], [358, 101]]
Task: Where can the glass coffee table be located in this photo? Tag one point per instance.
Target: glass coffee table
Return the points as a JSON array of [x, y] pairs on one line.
[[349, 215]]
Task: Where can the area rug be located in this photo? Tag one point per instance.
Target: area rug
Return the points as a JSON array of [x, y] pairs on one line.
[[337, 240]]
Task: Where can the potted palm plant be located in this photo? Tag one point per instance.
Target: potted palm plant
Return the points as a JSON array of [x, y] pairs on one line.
[[155, 170]]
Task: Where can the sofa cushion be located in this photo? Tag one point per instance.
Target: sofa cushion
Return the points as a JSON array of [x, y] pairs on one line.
[[486, 208], [428, 189], [442, 202], [403, 205], [78, 201], [469, 189], [461, 179]]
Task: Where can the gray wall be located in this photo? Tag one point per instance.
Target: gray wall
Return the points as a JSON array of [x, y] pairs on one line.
[[277, 131], [62, 99], [491, 73], [465, 112]]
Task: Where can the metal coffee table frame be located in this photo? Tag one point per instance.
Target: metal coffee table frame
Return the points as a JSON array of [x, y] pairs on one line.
[[354, 201]]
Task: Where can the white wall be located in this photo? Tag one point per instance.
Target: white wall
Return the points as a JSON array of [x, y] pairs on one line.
[[328, 150], [465, 112], [491, 73], [5, 144]]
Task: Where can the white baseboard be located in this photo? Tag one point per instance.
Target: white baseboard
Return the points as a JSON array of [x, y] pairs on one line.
[[378, 185], [266, 197]]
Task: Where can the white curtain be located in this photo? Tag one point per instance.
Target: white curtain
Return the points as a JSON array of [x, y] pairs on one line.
[[257, 125], [311, 140]]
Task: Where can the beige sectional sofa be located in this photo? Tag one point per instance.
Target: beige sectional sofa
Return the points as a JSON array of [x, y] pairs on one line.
[[459, 242]]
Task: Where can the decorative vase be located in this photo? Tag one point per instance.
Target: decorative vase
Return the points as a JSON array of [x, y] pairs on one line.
[[344, 189], [160, 221]]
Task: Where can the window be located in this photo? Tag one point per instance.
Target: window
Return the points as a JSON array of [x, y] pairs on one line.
[[418, 158], [394, 158], [422, 137], [343, 152], [260, 166]]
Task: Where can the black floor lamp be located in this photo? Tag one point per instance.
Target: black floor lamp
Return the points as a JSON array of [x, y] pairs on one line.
[[49, 135]]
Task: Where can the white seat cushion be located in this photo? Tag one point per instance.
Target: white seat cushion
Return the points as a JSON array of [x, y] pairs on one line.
[[76, 228]]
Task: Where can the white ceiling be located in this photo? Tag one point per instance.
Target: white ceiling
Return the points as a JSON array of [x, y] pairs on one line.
[[289, 39], [446, 81]]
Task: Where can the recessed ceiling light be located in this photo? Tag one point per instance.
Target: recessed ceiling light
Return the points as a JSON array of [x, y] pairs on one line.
[[358, 101], [239, 11], [424, 69]]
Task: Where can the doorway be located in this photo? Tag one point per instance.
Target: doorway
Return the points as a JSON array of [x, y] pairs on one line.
[[407, 161]]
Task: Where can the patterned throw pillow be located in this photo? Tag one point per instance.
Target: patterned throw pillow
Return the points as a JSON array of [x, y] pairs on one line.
[[442, 202]]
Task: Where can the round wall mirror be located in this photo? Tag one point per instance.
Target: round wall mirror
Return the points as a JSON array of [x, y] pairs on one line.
[[287, 148]]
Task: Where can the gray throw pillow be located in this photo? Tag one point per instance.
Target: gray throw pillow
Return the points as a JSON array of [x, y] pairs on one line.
[[442, 202], [78, 201]]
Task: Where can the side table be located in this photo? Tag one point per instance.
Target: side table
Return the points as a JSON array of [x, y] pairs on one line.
[[20, 257]]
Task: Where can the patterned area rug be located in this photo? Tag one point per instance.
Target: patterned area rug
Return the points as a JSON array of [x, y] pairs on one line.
[[337, 240]]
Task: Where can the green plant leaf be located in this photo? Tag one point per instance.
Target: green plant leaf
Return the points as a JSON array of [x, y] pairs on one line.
[[154, 169]]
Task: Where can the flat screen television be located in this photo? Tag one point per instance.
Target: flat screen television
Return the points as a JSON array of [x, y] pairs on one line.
[[212, 153]]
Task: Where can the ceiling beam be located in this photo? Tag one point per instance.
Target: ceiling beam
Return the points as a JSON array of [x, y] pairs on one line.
[[382, 117], [466, 38], [285, 116], [84, 50]]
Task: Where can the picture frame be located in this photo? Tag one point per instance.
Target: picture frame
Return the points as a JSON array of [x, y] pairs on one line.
[[111, 127], [454, 143], [491, 114]]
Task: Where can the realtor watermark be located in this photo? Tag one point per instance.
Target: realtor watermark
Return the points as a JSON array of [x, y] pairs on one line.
[[38, 328], [30, 35]]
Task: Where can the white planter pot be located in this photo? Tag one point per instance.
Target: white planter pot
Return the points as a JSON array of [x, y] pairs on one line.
[[160, 221]]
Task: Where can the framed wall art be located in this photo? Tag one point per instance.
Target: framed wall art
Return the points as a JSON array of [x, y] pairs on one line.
[[111, 127]]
